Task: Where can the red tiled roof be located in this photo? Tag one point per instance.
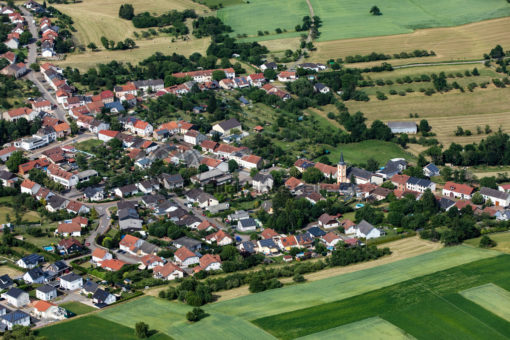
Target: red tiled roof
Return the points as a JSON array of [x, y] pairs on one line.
[[268, 233], [140, 124], [128, 241], [400, 179], [8, 150], [20, 111], [113, 264], [329, 237], [68, 227], [42, 306], [210, 162], [167, 269], [99, 253], [81, 220], [252, 159], [326, 169], [62, 127], [69, 242], [289, 241], [459, 188], [28, 184], [209, 259], [293, 183], [109, 133], [184, 253]]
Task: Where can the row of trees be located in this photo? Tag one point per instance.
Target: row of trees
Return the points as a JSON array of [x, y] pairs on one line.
[[127, 44], [374, 56]]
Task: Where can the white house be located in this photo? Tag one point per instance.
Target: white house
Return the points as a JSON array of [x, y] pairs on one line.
[[367, 231], [226, 127], [194, 137], [99, 255], [16, 317], [420, 184], [262, 182], [29, 187], [46, 293], [210, 262], [16, 297], [48, 310], [71, 281], [141, 128], [103, 297], [248, 224], [455, 190], [168, 272], [498, 198], [185, 257]]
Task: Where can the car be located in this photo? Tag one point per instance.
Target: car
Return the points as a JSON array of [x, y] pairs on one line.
[[87, 244]]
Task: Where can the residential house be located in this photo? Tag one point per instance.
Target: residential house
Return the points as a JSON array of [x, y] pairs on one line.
[[46, 292], [498, 198], [30, 261], [287, 76], [112, 265], [331, 239], [34, 275], [99, 255], [287, 242], [185, 257], [267, 246], [321, 88], [171, 182], [367, 231], [293, 184], [71, 281], [168, 272], [68, 229], [420, 185], [16, 297], [70, 246], [430, 170], [209, 262], [103, 297], [226, 127], [16, 317], [220, 237], [49, 311], [327, 221], [150, 261], [94, 194], [455, 190], [262, 182], [29, 187], [248, 224], [125, 191], [5, 282], [194, 137]]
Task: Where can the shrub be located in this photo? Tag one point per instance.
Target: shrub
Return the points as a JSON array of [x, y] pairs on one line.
[[298, 278], [487, 242]]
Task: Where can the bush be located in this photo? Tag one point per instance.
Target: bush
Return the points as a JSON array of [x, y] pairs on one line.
[[298, 278], [487, 242], [195, 315]]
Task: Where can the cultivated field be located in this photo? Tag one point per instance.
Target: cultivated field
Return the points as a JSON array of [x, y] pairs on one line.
[[466, 42], [492, 298], [93, 327], [413, 306], [12, 272], [351, 18], [231, 319]]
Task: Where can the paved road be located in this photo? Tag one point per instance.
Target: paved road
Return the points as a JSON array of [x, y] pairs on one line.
[[35, 77]]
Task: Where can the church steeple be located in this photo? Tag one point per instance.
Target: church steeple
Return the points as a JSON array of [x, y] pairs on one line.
[[341, 159], [341, 173]]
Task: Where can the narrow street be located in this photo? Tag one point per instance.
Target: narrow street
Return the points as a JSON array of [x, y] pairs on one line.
[[35, 77]]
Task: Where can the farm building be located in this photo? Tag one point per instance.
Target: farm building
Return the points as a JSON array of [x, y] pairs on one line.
[[403, 127]]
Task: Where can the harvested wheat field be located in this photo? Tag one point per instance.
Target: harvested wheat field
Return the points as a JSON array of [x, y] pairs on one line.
[[466, 42]]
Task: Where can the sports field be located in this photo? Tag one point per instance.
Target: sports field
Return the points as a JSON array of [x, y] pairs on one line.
[[351, 18], [232, 318]]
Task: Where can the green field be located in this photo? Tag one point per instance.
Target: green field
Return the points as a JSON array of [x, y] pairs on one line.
[[265, 15], [93, 327], [492, 298], [372, 328], [427, 307], [231, 319], [77, 308], [502, 240], [344, 19]]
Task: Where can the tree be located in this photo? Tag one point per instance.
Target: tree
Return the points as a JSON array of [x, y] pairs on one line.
[[312, 175], [294, 172], [105, 42], [424, 126], [211, 104], [15, 160], [218, 75], [257, 284], [298, 278], [489, 182], [142, 330], [270, 74], [232, 165], [477, 198], [497, 52], [195, 315], [74, 127], [375, 10], [372, 165], [126, 11], [487, 242], [25, 37], [92, 46]]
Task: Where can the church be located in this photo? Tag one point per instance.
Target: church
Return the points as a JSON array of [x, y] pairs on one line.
[[345, 173]]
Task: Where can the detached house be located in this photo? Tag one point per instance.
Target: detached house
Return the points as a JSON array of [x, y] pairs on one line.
[[71, 281], [262, 182], [168, 272], [498, 198], [226, 127], [16, 297], [287, 76], [455, 190], [209, 262], [327, 221], [185, 257]]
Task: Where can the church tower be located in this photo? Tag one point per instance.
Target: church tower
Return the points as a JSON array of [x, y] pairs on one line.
[[341, 173]]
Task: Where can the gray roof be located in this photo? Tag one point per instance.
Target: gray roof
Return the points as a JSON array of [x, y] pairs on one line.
[[86, 173], [15, 292], [259, 177], [6, 175], [91, 191], [361, 173], [35, 273], [187, 242], [131, 224], [494, 193], [46, 288], [90, 286], [148, 248], [229, 124], [5, 281], [126, 204], [248, 222], [365, 227], [128, 213], [176, 178], [248, 246], [269, 243], [70, 277], [56, 201], [15, 316], [316, 232], [33, 259], [445, 203], [101, 294], [402, 125], [419, 181]]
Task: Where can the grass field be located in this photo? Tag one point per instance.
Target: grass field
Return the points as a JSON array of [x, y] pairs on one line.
[[491, 297], [93, 327], [230, 319], [78, 308], [413, 306], [259, 15], [466, 42], [502, 239], [12, 272], [371, 328], [351, 18], [29, 216]]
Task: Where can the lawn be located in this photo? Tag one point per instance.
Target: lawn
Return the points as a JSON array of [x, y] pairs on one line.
[[356, 153], [78, 308], [88, 145], [413, 306], [502, 240], [29, 216], [93, 327], [351, 18], [466, 42]]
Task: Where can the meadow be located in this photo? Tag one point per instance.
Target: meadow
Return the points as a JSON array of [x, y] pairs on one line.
[[502, 239], [351, 18], [412, 306], [77, 308]]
